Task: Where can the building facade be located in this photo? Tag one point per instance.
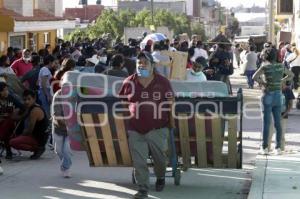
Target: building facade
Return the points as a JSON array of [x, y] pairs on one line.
[[31, 23], [173, 6]]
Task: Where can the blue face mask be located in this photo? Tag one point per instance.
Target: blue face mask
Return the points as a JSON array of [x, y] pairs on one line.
[[142, 72]]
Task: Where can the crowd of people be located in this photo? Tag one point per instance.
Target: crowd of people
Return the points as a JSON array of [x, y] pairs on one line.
[[30, 83]]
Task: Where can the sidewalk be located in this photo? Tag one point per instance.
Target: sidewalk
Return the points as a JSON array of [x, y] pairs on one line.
[[40, 179], [276, 177]]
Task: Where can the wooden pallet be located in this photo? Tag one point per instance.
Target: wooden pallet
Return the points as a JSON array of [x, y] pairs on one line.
[[107, 147], [199, 149]]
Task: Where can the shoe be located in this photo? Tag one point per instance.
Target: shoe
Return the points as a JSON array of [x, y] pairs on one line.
[[160, 184], [263, 151], [37, 154], [9, 155], [141, 194], [278, 151], [1, 171], [66, 173]]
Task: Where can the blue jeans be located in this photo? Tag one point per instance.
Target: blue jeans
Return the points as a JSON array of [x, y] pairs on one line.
[[249, 75], [271, 102], [63, 150], [44, 101]]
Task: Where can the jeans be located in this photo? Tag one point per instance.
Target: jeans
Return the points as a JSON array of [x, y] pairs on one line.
[[63, 150], [249, 74], [271, 102], [44, 101]]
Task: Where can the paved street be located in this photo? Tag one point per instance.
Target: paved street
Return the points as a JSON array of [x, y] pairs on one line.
[[41, 178]]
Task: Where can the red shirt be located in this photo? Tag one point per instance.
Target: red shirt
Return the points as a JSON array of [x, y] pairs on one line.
[[21, 68], [147, 117]]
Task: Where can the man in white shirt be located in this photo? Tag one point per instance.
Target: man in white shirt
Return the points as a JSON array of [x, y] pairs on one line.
[[199, 52]]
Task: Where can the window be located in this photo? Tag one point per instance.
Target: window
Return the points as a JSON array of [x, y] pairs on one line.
[[285, 6], [17, 41]]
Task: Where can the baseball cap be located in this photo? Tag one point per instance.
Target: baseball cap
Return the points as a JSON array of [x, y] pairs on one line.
[[146, 55]]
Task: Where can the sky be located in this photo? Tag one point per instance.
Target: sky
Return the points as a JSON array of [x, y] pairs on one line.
[[226, 3]]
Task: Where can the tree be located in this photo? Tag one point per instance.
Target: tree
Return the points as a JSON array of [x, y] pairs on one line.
[[114, 22], [198, 29]]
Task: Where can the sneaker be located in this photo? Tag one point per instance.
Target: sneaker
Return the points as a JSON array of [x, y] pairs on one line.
[[278, 151], [160, 184], [1, 170], [37, 154], [66, 173], [141, 194], [263, 151]]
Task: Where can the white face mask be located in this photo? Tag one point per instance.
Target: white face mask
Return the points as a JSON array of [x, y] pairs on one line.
[[103, 60], [27, 59]]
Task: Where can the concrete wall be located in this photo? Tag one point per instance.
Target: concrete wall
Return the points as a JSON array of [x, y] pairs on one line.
[[15, 5], [178, 6], [46, 5], [27, 7], [23, 7], [193, 7], [54, 7], [297, 22]]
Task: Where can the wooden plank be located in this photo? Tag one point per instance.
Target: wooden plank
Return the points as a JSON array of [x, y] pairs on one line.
[[92, 140], [217, 141], [123, 142], [178, 65], [201, 140], [232, 142], [184, 140], [108, 142]]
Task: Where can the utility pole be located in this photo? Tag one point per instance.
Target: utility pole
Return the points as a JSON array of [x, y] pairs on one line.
[[271, 22], [152, 12]]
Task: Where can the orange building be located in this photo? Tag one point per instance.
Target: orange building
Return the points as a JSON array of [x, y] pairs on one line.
[[31, 23]]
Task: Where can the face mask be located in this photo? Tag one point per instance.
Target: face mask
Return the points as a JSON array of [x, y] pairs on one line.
[[196, 73], [142, 72], [103, 59], [27, 59]]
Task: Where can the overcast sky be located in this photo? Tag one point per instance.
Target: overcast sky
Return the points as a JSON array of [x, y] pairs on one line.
[[226, 3]]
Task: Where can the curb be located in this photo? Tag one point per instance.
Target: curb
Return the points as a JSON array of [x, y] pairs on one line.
[[258, 178]]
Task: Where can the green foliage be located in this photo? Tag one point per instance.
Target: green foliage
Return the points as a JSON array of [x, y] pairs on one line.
[[198, 29], [114, 23]]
